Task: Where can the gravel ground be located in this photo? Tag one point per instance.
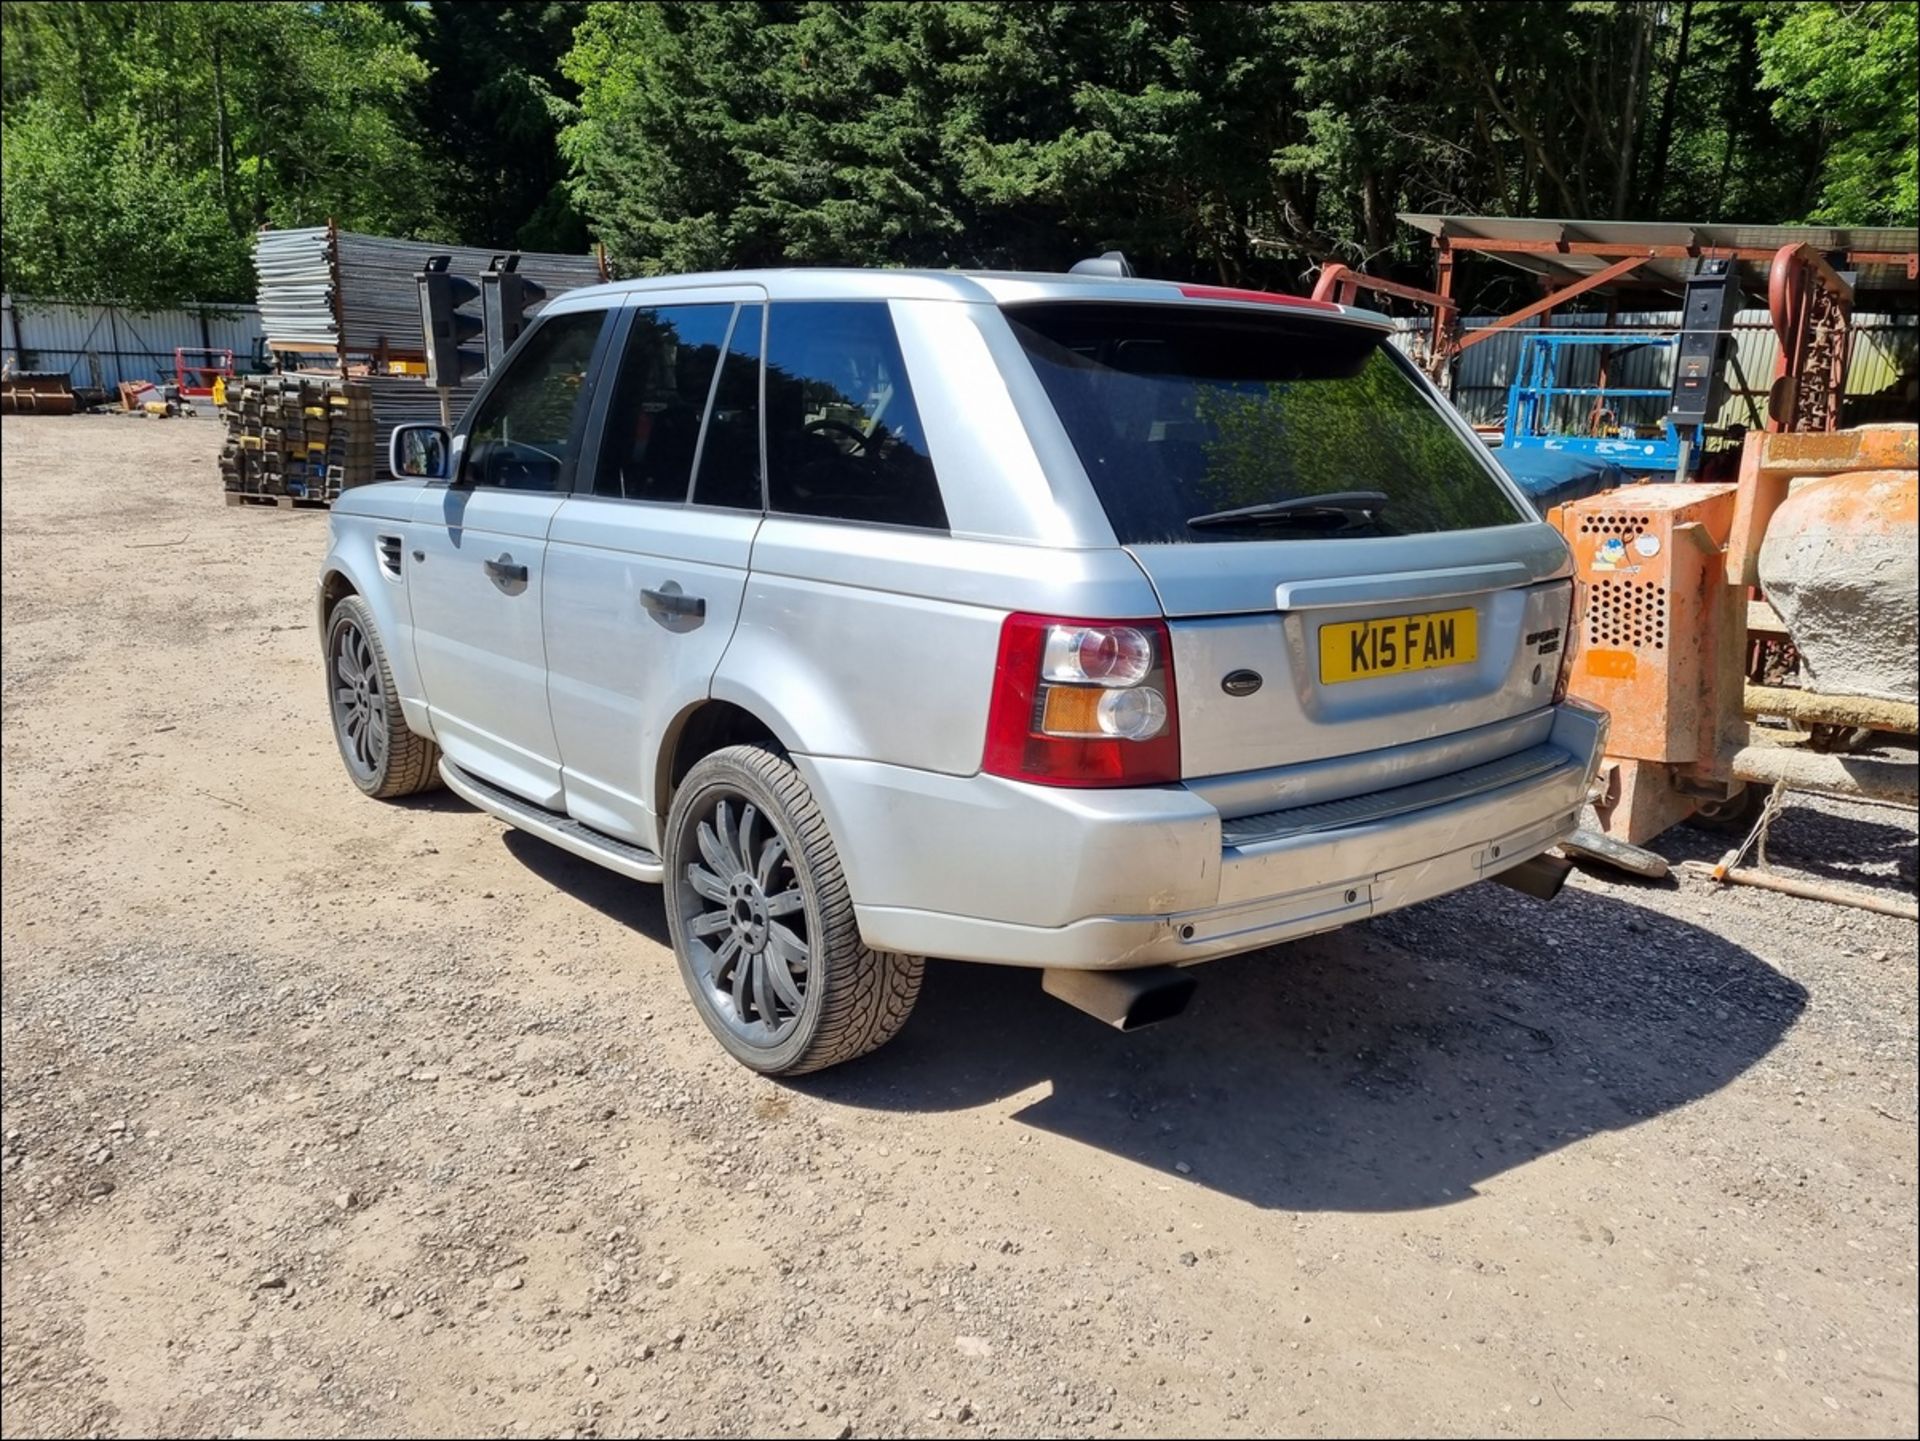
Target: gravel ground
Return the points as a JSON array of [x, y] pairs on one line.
[[324, 1117]]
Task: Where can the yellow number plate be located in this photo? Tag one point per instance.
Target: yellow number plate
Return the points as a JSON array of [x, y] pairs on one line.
[[1363, 649]]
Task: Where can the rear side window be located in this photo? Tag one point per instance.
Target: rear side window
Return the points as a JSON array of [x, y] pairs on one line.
[[843, 433], [730, 455], [1179, 413], [653, 427]]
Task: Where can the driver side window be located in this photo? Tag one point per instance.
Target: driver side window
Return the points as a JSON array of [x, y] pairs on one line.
[[521, 438], [843, 435]]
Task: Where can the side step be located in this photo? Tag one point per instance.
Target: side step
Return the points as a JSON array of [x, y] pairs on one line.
[[562, 831]]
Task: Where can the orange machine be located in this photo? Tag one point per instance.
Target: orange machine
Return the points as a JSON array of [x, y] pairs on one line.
[[1666, 575], [1650, 561]]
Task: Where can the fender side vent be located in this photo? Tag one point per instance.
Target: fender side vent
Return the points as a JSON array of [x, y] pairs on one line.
[[390, 555]]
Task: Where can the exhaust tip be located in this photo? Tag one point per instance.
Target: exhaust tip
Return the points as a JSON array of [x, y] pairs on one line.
[[1125, 1000], [1541, 876]]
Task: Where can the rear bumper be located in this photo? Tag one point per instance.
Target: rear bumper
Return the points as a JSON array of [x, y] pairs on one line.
[[977, 868]]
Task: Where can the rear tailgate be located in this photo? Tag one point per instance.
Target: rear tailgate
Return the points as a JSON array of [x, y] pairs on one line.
[[1343, 568], [1359, 645]]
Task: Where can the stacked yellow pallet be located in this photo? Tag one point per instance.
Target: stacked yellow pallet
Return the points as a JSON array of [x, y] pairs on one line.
[[295, 438]]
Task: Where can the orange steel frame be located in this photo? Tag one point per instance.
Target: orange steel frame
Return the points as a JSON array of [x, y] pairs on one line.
[[1805, 296]]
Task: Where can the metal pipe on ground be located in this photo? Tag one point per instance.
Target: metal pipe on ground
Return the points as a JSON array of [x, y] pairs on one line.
[[1813, 708], [1825, 773], [1809, 890], [1125, 1000]]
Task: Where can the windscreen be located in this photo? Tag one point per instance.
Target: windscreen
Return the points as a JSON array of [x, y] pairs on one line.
[[1181, 413]]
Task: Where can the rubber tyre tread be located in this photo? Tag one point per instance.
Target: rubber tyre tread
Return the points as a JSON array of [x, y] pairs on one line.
[[868, 994], [1737, 817], [413, 761]]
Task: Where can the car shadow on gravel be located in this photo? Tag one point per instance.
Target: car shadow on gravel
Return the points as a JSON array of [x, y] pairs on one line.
[[633, 904], [1393, 1066], [437, 801]]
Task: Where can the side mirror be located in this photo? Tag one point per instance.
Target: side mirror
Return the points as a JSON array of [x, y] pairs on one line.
[[420, 452]]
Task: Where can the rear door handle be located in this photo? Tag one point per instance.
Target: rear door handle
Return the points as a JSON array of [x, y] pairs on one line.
[[672, 602], [504, 569]]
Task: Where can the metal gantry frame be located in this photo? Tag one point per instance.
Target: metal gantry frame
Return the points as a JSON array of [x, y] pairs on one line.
[[1670, 617], [1810, 301]]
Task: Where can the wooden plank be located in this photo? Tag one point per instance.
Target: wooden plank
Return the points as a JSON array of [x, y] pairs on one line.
[[284, 502]]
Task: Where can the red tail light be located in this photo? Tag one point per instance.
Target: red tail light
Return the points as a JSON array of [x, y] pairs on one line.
[[1084, 703]]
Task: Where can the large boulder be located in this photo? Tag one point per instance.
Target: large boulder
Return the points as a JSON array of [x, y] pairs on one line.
[[1841, 563]]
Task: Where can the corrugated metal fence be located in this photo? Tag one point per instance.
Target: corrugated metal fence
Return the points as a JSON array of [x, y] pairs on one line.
[[99, 346], [1884, 355]]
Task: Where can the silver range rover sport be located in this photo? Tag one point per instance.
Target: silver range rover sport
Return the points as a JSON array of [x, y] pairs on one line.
[[1097, 625]]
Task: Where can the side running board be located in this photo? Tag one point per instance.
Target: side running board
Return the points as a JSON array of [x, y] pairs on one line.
[[562, 831]]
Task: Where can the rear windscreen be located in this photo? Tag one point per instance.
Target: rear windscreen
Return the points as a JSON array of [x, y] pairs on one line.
[[1180, 412]]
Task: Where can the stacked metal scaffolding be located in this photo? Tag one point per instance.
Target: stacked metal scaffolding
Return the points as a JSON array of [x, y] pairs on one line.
[[352, 299], [297, 301], [326, 291], [404, 399]]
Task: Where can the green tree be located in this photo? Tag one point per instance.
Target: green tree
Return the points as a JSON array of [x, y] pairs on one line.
[[489, 116], [144, 143], [1846, 73], [1243, 142], [674, 102]]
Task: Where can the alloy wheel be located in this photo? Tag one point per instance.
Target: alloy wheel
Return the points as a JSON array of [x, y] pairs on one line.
[[359, 702], [746, 921]]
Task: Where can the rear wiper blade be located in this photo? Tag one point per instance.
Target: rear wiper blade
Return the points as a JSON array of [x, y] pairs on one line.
[[1334, 502]]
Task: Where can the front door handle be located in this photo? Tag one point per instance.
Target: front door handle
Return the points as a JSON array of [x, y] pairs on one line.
[[672, 602], [505, 571]]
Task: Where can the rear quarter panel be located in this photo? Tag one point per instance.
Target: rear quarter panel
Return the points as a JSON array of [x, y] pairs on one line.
[[878, 643]]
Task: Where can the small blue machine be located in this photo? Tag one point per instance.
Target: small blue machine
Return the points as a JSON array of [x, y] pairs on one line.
[[1561, 451], [1639, 451]]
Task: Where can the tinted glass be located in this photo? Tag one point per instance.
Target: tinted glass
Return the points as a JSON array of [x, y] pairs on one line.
[[730, 459], [653, 425], [1180, 412], [522, 436], [843, 436]]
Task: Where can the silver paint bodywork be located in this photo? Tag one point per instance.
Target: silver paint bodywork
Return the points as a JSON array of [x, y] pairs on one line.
[[869, 652]]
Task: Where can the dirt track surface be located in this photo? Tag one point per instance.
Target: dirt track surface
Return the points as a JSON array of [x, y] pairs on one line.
[[326, 1117]]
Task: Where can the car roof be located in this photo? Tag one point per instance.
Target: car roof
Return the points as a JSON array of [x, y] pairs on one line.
[[989, 287]]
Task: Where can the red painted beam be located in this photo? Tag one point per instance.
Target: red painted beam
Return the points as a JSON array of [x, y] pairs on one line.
[[1551, 301], [1604, 250], [1339, 283]]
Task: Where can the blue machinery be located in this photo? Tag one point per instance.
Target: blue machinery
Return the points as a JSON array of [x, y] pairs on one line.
[[1671, 446], [1639, 450]]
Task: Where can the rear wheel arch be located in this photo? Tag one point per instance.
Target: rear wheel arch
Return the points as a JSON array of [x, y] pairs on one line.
[[699, 731]]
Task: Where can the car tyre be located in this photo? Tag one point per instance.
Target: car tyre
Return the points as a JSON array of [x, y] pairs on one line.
[[763, 925], [384, 758]]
